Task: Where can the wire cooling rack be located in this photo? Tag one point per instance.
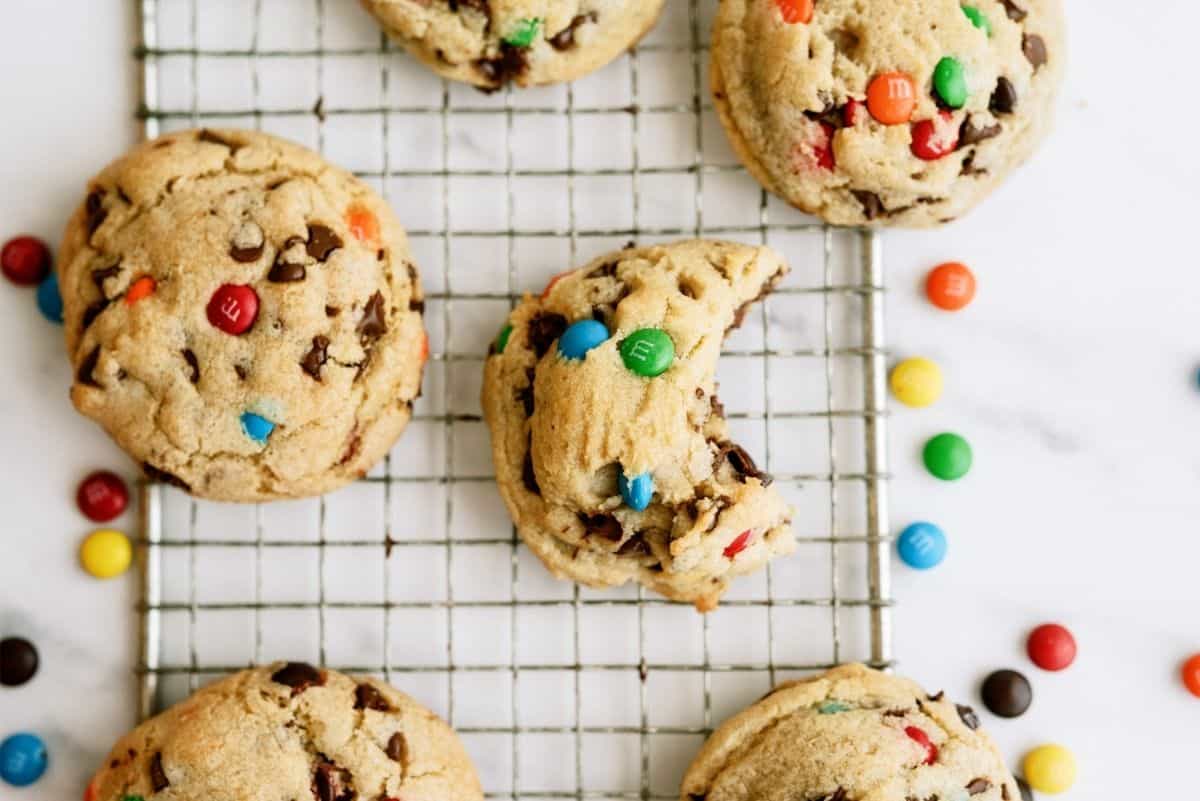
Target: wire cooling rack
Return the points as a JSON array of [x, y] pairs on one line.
[[414, 573]]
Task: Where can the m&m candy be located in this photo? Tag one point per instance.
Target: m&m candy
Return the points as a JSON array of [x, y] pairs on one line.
[[25, 260], [524, 32], [1007, 693], [18, 661], [1191, 675], [738, 545], [935, 138], [502, 339], [363, 224], [102, 496], [106, 553], [1050, 769], [636, 491], [947, 456], [950, 82], [795, 11], [141, 288], [233, 308], [922, 739], [950, 286], [978, 19], [257, 427], [49, 300], [1051, 647], [580, 337], [891, 98], [648, 352], [23, 759], [916, 382], [922, 546]]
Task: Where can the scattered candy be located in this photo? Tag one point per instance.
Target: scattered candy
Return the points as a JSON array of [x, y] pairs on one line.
[[49, 300], [502, 338], [580, 337], [832, 708], [738, 545], [922, 739], [106, 553], [1007, 693], [891, 98], [18, 661], [524, 32], [950, 82], [363, 224], [233, 308], [936, 138], [1051, 647], [636, 491], [1050, 769], [22, 759], [102, 496], [141, 288], [1191, 675], [978, 19], [25, 260], [648, 352], [257, 428], [947, 456], [795, 11], [922, 546], [950, 286], [917, 382]]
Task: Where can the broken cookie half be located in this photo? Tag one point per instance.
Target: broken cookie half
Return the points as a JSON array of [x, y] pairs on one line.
[[611, 449]]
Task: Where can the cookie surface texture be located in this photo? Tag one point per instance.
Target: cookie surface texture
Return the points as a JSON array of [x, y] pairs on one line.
[[243, 318]]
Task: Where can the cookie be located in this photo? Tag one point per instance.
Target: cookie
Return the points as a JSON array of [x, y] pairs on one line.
[[611, 449], [490, 43], [290, 731], [851, 734], [243, 318], [886, 112]]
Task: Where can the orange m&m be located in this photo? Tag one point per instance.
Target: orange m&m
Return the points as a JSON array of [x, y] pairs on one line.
[[141, 288], [950, 286], [794, 11], [1191, 675], [891, 98], [363, 224]]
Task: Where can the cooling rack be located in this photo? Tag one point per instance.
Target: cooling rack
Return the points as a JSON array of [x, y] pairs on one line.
[[414, 573]]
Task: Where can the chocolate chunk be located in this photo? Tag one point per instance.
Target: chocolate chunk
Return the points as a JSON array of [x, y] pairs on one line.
[[417, 305], [895, 713], [372, 325], [92, 312], [1004, 97], [499, 70], [543, 330], [872, 204], [972, 133], [246, 244], [299, 676], [528, 476], [1034, 48], [366, 696], [162, 476], [286, 267], [322, 241], [565, 39], [331, 783], [1004, 792], [193, 365], [978, 786], [158, 777], [939, 695], [331, 311], [1024, 790], [213, 139], [968, 716], [837, 795], [18, 661], [397, 748], [525, 396], [741, 462], [95, 212], [830, 114], [634, 546], [102, 275], [1014, 11], [1007, 693], [88, 366], [242, 371], [315, 359], [602, 525]]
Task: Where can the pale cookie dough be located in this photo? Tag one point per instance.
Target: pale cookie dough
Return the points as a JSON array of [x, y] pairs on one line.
[[852, 734], [290, 732], [490, 43], [792, 98], [563, 429], [178, 238]]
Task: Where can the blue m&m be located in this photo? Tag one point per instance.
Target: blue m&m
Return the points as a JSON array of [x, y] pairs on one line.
[[636, 491], [580, 337], [22, 759], [257, 428], [49, 300], [922, 546]]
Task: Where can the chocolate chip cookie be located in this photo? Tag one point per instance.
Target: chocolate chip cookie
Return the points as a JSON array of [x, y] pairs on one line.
[[848, 735], [243, 318], [886, 112], [290, 731], [490, 43], [610, 447]]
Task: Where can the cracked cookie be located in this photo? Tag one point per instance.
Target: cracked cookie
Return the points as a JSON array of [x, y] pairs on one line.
[[886, 112], [244, 319], [490, 43], [290, 731], [851, 734], [610, 447]]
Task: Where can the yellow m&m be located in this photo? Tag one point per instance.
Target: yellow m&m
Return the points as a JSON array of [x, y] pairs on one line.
[[917, 382], [1050, 769], [106, 553]]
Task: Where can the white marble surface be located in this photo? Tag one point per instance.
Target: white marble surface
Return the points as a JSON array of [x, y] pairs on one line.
[[1071, 375]]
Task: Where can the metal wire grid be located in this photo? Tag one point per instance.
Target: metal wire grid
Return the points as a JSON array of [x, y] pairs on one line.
[[178, 598]]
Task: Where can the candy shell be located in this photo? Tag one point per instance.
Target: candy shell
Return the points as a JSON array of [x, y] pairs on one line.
[[23, 759], [106, 553], [922, 739], [502, 338], [947, 456], [738, 545], [233, 308], [936, 138], [917, 382], [922, 546], [832, 708], [950, 82], [257, 427], [18, 661], [580, 337], [1051, 647], [636, 491], [141, 288], [978, 19], [1050, 769], [49, 300], [950, 286], [524, 32], [795, 11], [25, 260], [363, 224], [891, 97], [648, 352], [1191, 675], [102, 496]]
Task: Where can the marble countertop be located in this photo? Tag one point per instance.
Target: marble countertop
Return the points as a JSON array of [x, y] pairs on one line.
[[1072, 375]]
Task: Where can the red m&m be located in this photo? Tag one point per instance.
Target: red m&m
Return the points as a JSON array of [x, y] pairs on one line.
[[738, 545], [233, 308], [25, 260], [795, 11], [922, 739], [935, 138], [1051, 647], [102, 496]]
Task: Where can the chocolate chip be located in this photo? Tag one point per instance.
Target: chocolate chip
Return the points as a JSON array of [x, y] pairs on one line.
[[895, 713], [102, 275], [366, 696], [92, 312], [939, 695], [543, 330], [193, 365], [88, 366], [1004, 97], [417, 305], [246, 244], [242, 371], [968, 716], [332, 311], [322, 241], [397, 748], [602, 525], [316, 357], [162, 476], [528, 476], [697, 796], [872, 204], [213, 139], [837, 795], [331, 783], [158, 777], [741, 462], [18, 661], [1024, 789], [372, 325], [634, 546], [525, 396], [299, 676], [972, 132], [1014, 11], [288, 264], [499, 70], [1007, 693], [565, 39], [1034, 48], [606, 270], [95, 212], [978, 786]]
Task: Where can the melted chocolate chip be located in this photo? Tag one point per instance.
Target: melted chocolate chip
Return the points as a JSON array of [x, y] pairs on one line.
[[528, 476], [978, 786], [322, 241], [1034, 48], [316, 357], [417, 305], [972, 133], [716, 406], [602, 525], [158, 777], [895, 713], [213, 139], [634, 546], [92, 312], [331, 311], [284, 270], [872, 204], [247, 243], [543, 330], [162, 476], [1004, 792], [1014, 11], [331, 783], [397, 748], [741, 462], [95, 211], [366, 696], [565, 39], [242, 371], [372, 325], [193, 365], [499, 70], [299, 676], [939, 695], [968, 716], [88, 366], [525, 396], [1004, 97], [102, 275]]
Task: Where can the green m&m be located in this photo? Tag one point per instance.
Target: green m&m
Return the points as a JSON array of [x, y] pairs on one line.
[[524, 32], [648, 352], [950, 82], [502, 339], [978, 19], [948, 456]]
